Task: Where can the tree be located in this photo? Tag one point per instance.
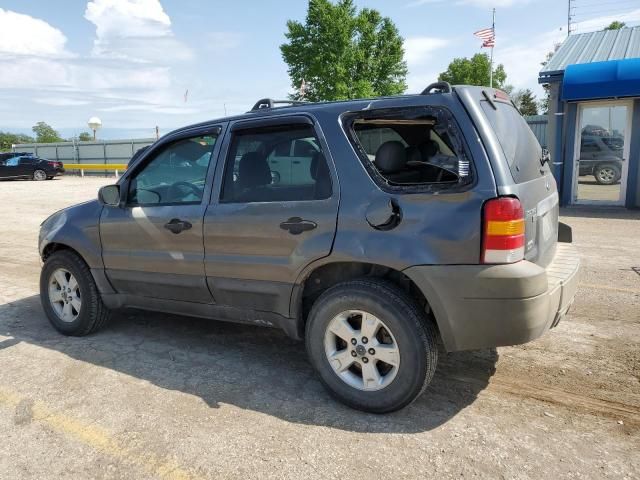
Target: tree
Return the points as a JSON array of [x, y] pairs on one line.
[[473, 71], [340, 53], [7, 139], [615, 25], [45, 133], [526, 103], [544, 103], [85, 137]]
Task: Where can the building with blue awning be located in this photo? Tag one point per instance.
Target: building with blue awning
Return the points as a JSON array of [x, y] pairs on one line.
[[594, 117]]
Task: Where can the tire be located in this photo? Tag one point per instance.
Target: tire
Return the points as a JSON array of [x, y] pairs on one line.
[[90, 315], [39, 175], [607, 174], [409, 331]]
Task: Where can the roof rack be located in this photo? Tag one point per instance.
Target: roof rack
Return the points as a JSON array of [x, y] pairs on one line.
[[439, 87], [271, 103]]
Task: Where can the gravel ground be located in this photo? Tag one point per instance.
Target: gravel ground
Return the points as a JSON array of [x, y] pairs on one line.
[[161, 396]]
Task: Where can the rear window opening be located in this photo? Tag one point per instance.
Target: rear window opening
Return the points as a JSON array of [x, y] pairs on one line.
[[413, 148]]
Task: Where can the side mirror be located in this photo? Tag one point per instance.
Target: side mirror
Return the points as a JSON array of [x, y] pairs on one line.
[[109, 195], [546, 156]]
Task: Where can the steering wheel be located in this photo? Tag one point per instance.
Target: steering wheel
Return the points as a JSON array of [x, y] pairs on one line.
[[176, 191]]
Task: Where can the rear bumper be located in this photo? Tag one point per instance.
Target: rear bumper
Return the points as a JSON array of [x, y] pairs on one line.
[[482, 306]]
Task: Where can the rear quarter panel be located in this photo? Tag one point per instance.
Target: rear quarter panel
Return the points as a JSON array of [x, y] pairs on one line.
[[436, 228]]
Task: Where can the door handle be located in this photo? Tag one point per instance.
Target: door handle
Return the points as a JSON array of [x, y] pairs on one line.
[[296, 225], [175, 225]]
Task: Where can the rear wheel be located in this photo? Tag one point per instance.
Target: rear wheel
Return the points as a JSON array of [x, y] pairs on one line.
[[607, 174], [69, 295], [372, 345], [39, 175]]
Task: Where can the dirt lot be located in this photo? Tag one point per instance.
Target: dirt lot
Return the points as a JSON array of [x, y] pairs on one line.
[[159, 396]]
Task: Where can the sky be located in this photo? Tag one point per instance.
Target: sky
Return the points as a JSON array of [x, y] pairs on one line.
[[130, 62]]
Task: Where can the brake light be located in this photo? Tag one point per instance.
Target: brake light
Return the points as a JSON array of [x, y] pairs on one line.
[[502, 231]]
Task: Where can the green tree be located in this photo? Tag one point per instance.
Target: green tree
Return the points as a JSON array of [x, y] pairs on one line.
[[473, 71], [85, 137], [526, 102], [615, 25], [340, 53], [7, 139], [45, 133]]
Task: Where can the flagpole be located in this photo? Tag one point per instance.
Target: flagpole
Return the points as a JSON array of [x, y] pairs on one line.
[[493, 27]]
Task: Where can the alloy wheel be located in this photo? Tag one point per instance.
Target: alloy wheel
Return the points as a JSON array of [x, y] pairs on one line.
[[64, 295], [361, 350]]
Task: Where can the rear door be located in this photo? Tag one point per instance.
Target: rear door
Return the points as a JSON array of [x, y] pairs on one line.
[[264, 226], [519, 169]]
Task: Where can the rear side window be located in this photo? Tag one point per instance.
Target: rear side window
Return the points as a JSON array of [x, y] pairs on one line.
[[276, 164], [416, 148], [519, 144]]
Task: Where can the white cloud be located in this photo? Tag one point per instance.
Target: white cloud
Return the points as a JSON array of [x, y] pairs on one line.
[[24, 35], [417, 50], [419, 53], [58, 101], [599, 23], [137, 30]]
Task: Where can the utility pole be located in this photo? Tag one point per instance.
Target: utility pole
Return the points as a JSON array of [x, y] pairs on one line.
[[493, 28], [569, 7]]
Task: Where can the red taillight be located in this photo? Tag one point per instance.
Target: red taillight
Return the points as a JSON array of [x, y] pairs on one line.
[[502, 231]]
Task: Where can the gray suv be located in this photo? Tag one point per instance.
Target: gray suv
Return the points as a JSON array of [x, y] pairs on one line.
[[371, 229]]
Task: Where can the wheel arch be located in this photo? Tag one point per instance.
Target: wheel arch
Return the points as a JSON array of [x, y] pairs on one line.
[[322, 277]]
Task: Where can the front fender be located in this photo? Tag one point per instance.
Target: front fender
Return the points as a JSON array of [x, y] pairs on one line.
[[76, 227]]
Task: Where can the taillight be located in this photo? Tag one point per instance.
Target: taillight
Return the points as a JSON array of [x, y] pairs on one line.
[[502, 231]]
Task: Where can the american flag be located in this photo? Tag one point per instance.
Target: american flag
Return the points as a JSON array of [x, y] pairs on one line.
[[488, 37]]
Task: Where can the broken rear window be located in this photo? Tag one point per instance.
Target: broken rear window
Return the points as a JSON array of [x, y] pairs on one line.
[[412, 148]]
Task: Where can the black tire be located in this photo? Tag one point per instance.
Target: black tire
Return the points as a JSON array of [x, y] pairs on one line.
[[93, 313], [414, 333], [39, 175], [607, 174]]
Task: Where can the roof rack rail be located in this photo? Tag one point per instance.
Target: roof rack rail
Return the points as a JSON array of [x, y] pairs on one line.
[[439, 87], [271, 103]]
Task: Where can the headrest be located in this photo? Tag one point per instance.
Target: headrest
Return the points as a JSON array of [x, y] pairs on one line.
[[391, 157], [253, 170], [428, 149]]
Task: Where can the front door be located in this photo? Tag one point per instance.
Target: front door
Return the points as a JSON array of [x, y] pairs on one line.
[[152, 246], [268, 224], [601, 157]]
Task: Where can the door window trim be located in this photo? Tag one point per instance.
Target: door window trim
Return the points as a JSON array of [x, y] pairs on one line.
[[265, 122], [156, 148]]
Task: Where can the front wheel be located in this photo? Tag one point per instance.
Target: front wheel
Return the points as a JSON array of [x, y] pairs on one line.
[[69, 295], [372, 345], [607, 174]]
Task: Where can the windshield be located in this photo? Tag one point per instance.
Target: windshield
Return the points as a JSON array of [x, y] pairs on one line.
[[519, 144]]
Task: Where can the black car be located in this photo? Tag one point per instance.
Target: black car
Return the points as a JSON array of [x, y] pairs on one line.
[[602, 158], [28, 166]]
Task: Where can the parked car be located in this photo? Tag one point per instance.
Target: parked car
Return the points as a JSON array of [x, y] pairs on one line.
[[7, 155], [421, 217], [601, 157], [28, 166]]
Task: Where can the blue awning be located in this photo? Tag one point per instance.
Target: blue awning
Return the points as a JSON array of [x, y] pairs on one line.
[[600, 80]]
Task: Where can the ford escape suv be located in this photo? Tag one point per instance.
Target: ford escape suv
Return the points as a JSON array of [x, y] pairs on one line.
[[372, 229]]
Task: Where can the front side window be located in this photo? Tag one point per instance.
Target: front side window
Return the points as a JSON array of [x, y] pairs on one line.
[[276, 164], [176, 175]]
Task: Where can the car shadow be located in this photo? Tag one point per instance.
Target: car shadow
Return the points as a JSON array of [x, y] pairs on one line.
[[254, 368]]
